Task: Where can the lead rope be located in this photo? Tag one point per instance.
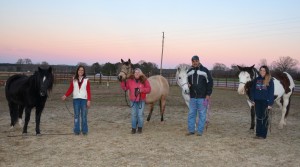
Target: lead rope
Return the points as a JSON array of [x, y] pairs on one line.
[[207, 114]]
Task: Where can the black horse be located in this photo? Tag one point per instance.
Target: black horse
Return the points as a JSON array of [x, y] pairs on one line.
[[28, 92]]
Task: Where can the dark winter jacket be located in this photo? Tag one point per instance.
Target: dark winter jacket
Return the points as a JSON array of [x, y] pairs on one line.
[[201, 82], [259, 91]]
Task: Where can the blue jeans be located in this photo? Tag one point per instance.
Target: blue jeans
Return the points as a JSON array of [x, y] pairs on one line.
[[137, 114], [80, 110], [261, 118], [197, 106]]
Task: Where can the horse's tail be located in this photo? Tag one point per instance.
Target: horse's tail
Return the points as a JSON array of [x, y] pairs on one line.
[[288, 106]]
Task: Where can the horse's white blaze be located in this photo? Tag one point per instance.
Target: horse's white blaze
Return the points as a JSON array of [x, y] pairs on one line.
[[244, 77], [44, 78]]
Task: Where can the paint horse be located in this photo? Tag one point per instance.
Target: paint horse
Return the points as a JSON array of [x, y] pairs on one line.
[[28, 92], [159, 88], [182, 81], [283, 89]]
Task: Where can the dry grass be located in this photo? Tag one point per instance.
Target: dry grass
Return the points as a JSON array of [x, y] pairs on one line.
[[227, 141]]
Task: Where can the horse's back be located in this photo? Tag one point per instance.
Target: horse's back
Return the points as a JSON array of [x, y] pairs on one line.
[[159, 87], [14, 85], [160, 83]]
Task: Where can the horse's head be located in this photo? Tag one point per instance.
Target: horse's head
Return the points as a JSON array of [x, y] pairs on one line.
[[45, 80], [246, 74], [182, 78], [125, 71]]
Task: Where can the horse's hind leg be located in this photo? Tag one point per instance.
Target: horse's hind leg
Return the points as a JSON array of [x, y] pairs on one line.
[[13, 113], [162, 107], [150, 112], [21, 109], [284, 110], [27, 118]]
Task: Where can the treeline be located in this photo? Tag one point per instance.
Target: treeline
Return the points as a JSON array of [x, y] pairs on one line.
[[108, 69]]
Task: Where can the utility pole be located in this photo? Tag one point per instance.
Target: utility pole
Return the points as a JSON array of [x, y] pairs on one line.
[[162, 53]]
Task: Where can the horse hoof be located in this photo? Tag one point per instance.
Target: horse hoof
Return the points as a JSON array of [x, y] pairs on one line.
[[280, 126], [24, 134], [38, 134], [162, 122], [11, 127]]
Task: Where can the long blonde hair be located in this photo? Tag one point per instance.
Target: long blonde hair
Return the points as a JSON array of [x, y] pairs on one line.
[[267, 76], [142, 77]]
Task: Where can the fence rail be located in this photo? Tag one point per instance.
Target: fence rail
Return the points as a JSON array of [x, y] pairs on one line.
[[64, 78]]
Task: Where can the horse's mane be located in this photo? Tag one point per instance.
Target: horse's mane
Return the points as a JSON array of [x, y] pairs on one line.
[[182, 66], [34, 80], [251, 70]]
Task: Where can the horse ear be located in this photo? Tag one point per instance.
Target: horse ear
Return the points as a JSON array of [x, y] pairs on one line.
[[253, 66], [39, 68], [50, 69], [129, 61], [122, 60], [239, 67], [178, 69]]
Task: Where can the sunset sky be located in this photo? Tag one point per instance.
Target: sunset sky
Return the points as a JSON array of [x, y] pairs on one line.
[[219, 31]]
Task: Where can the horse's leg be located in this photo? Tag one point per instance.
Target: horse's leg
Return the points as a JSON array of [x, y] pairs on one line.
[[252, 118], [21, 109], [286, 102], [13, 113], [279, 103], [162, 107], [27, 118], [150, 112]]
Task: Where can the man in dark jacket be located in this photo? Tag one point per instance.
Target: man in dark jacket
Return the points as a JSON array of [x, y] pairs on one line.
[[200, 84]]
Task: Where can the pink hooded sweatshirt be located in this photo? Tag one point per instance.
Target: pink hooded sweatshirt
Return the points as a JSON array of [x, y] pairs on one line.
[[131, 84]]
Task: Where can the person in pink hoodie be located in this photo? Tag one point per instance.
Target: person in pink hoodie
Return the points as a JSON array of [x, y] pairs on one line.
[[138, 87]]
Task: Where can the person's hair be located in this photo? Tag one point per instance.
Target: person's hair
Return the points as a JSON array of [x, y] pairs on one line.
[[267, 76], [76, 74], [142, 77]]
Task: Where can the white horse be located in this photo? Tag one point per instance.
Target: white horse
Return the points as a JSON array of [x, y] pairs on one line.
[[283, 89], [182, 81]]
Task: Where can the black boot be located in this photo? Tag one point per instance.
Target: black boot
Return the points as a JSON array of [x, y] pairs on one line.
[[140, 130], [133, 131]]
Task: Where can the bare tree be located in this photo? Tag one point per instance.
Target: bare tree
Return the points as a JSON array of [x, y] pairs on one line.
[[287, 64], [27, 61], [82, 64], [263, 62], [220, 67], [20, 61]]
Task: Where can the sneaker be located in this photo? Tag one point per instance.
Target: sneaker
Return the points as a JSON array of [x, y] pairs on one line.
[[133, 131], [76, 133], [189, 133]]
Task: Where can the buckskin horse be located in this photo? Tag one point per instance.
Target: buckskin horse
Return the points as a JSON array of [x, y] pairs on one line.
[[159, 88], [28, 92], [283, 88]]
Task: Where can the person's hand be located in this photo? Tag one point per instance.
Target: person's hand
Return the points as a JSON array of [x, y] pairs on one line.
[[64, 97], [207, 97], [88, 104], [269, 107]]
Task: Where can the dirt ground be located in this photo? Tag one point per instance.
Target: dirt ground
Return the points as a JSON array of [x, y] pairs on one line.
[[227, 141]]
